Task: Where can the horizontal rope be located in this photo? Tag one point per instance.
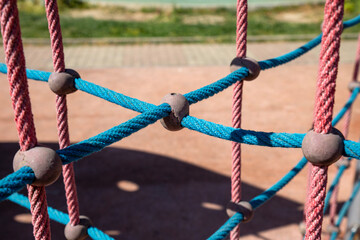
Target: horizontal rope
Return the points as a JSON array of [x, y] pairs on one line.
[[15, 181], [58, 216], [261, 199], [98, 142]]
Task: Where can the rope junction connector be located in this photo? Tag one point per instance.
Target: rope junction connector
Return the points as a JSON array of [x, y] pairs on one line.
[[79, 231], [44, 161], [179, 109], [352, 85], [323, 149], [331, 228], [63, 83], [251, 64], [242, 207], [343, 162]]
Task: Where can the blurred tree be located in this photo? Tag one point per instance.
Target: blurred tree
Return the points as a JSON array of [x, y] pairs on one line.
[[352, 6]]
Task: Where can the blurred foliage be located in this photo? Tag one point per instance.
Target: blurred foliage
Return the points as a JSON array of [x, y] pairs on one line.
[[352, 6], [62, 4], [176, 22]]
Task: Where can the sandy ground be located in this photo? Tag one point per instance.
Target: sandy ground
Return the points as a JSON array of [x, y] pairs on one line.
[[174, 185]]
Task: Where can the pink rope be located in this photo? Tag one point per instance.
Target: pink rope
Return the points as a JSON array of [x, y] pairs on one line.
[[61, 109], [241, 35], [325, 96], [347, 118], [15, 60]]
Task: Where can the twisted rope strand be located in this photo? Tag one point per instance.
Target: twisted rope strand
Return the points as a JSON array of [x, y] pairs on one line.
[[324, 104], [10, 29], [241, 38], [52, 14]]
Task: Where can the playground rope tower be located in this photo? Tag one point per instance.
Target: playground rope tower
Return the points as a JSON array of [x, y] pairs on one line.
[[36, 166]]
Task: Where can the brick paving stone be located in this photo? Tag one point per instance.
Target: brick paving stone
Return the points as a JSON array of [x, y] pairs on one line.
[[168, 55]]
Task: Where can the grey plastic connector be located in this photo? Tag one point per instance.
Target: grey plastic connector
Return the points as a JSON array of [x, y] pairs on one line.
[[332, 229], [249, 63], [79, 231], [242, 207], [323, 149], [343, 162], [44, 161], [63, 83], [352, 85], [179, 109]]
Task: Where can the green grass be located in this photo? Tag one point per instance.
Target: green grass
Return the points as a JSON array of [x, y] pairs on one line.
[[167, 23]]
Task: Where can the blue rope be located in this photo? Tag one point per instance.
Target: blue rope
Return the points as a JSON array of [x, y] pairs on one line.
[[261, 199], [15, 182], [112, 96], [346, 107], [257, 201], [58, 216], [100, 141], [345, 208]]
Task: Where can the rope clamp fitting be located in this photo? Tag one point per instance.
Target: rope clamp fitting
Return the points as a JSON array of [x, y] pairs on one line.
[[63, 83], [179, 109], [79, 231], [323, 149], [44, 161], [242, 207], [251, 64], [352, 85]]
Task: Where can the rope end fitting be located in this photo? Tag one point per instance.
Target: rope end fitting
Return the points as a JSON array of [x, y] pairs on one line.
[[179, 109], [63, 83], [78, 231], [242, 207], [323, 149], [44, 161], [352, 85], [251, 64]]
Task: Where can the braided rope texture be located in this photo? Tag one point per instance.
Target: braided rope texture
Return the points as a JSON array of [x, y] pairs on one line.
[[15, 182], [14, 55], [324, 104], [241, 42], [16, 74], [53, 18]]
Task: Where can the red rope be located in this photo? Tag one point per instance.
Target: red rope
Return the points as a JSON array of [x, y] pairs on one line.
[[15, 60], [325, 96], [347, 118], [241, 35], [52, 14]]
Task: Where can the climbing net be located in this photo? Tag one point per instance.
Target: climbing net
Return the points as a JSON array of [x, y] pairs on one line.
[[37, 167]]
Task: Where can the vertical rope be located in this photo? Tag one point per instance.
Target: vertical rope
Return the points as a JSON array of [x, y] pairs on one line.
[[52, 14], [15, 60], [324, 104], [241, 39], [347, 118]]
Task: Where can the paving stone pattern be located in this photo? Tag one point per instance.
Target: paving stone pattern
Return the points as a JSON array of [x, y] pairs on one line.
[[167, 55]]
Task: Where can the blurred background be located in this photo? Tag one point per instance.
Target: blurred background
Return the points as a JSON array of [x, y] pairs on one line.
[[161, 185], [129, 21]]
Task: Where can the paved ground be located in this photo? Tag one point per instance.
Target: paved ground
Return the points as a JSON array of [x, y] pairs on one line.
[[162, 185], [167, 55]]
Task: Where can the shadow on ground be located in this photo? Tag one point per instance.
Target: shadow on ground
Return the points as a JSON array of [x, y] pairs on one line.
[[138, 195]]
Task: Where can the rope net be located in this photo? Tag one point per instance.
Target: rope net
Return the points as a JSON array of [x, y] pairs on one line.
[[317, 202]]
